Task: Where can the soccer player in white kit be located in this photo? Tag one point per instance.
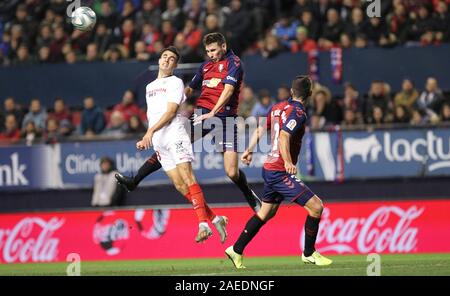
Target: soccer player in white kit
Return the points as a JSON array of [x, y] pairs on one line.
[[170, 140]]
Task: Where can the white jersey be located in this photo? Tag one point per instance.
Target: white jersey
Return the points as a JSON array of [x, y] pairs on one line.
[[172, 142], [158, 93]]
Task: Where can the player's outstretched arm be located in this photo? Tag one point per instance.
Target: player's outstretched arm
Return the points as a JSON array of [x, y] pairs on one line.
[[170, 114], [246, 157], [285, 150]]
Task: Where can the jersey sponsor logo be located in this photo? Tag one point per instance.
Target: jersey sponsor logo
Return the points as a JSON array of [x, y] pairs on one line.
[[231, 78], [211, 83], [154, 92], [291, 124]]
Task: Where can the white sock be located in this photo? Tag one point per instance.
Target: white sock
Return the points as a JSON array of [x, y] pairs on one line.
[[216, 219], [204, 224]]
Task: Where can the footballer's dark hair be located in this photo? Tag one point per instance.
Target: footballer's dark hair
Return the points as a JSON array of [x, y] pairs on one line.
[[214, 37], [173, 50], [302, 86]]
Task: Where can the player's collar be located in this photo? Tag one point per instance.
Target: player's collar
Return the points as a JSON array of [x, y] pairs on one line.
[[296, 103]]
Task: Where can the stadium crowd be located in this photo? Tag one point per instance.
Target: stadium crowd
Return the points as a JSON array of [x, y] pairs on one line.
[[39, 31], [378, 108]]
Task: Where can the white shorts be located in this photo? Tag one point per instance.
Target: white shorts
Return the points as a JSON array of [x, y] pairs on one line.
[[174, 151]]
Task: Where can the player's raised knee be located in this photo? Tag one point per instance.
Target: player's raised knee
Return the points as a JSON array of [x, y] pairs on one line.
[[315, 206]]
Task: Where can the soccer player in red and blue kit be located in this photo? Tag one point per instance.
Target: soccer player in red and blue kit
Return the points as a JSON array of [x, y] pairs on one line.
[[286, 121], [220, 80]]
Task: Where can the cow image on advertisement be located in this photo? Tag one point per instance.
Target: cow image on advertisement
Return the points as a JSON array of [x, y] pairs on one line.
[[362, 147]]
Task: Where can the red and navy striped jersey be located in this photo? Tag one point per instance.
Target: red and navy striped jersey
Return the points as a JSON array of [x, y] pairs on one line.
[[289, 116], [212, 77]]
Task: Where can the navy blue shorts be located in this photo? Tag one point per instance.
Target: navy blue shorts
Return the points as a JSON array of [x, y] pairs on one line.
[[226, 141], [279, 186]]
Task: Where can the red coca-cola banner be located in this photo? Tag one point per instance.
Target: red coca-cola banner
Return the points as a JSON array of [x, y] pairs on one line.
[[345, 228]]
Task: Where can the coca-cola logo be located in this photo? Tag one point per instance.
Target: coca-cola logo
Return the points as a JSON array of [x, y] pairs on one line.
[[111, 233], [30, 240], [387, 229]]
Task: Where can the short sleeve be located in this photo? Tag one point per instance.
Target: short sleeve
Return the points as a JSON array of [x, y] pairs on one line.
[[196, 81], [175, 92], [294, 121], [235, 72]]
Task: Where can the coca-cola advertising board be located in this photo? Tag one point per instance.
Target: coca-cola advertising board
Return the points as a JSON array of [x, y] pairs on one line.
[[345, 228]]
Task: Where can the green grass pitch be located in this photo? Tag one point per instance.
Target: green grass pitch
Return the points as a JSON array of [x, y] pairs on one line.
[[397, 265]]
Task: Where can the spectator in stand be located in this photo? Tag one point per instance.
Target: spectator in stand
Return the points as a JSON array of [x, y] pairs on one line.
[[192, 35], [378, 97], [11, 134], [150, 35], [128, 11], [401, 115], [352, 101], [399, 24], [283, 93], [150, 13], [377, 33], [270, 46], [213, 7], [188, 55], [331, 30], [350, 119], [423, 23], [168, 33], [236, 27], [92, 54], [30, 134], [300, 7], [12, 108], [378, 117], [135, 126], [193, 10], [115, 53], [311, 25], [445, 112], [56, 47], [102, 38], [418, 117], [442, 22], [262, 108], [407, 97], [36, 114], [62, 115], [141, 51], [431, 99], [92, 118], [212, 25], [43, 55], [174, 15], [128, 106], [106, 15], [118, 126], [345, 41], [128, 37], [52, 134], [247, 102], [285, 30], [361, 41], [23, 57], [324, 106], [45, 36], [302, 42], [356, 24]]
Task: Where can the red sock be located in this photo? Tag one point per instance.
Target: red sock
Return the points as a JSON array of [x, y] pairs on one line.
[[198, 201], [210, 214]]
